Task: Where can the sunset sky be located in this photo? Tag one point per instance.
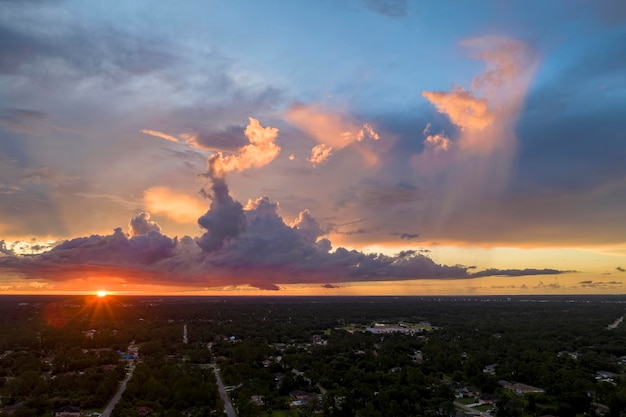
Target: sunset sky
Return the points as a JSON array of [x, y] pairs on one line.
[[356, 147]]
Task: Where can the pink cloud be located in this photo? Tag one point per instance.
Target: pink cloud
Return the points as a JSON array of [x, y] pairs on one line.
[[319, 154], [333, 129]]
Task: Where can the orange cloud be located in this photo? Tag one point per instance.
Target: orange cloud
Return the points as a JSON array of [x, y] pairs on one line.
[[438, 142], [259, 152], [177, 206], [161, 135], [485, 114], [320, 153], [331, 128], [463, 109]]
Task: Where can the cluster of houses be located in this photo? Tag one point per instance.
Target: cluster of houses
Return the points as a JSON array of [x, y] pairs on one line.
[[405, 328]]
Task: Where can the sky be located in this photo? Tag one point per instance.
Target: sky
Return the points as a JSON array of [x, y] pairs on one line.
[[353, 147]]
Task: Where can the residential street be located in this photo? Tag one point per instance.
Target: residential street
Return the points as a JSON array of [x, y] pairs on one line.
[[230, 411], [118, 395]]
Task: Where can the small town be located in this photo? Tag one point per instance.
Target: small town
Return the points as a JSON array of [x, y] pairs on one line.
[[143, 356]]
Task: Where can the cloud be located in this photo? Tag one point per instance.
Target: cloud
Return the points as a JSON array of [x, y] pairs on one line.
[[437, 143], [463, 109], [552, 286], [141, 225], [486, 113], [308, 227], [491, 272], [620, 269], [259, 152], [475, 161], [330, 286], [375, 194], [73, 51], [319, 154], [20, 120], [180, 207], [224, 220], [228, 140], [242, 246], [598, 284], [334, 129], [4, 250], [391, 8], [161, 135]]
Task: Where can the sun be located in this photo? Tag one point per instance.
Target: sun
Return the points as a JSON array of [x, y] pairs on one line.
[[101, 293]]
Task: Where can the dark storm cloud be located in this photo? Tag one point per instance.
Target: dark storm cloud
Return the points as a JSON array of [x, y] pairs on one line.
[[141, 225], [250, 246], [224, 220]]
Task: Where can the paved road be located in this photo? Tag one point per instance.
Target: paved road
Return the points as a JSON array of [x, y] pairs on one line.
[[466, 408], [230, 411], [118, 395]]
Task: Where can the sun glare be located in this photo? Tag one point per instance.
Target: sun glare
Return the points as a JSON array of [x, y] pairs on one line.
[[101, 293]]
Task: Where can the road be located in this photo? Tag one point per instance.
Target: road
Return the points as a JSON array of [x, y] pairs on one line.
[[118, 395], [466, 408], [228, 406]]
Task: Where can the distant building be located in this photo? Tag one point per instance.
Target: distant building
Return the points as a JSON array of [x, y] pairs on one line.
[[490, 369]]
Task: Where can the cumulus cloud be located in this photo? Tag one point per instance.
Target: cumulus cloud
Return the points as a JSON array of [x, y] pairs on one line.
[[224, 220], [249, 245], [308, 227], [259, 152], [334, 129], [319, 154], [463, 109], [4, 250], [141, 225], [438, 142], [180, 207], [367, 131]]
